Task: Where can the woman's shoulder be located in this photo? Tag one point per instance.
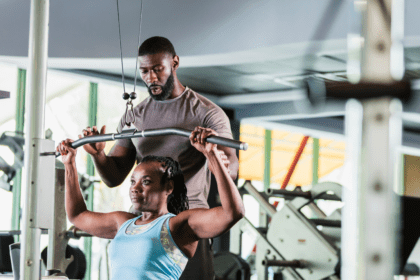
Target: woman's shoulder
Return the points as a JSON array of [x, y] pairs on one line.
[[122, 217]]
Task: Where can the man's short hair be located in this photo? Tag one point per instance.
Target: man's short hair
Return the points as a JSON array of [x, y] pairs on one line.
[[155, 45]]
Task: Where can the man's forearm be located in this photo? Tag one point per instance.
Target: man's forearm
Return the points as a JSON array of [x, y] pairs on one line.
[[107, 169]]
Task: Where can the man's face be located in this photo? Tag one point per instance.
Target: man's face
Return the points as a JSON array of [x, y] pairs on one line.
[[146, 191], [156, 72]]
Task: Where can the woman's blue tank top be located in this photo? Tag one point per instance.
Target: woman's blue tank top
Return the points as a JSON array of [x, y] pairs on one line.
[[142, 256]]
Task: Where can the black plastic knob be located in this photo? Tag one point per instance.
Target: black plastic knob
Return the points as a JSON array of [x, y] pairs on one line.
[[125, 96], [133, 95]]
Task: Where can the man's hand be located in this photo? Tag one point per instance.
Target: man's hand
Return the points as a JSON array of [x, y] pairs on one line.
[[68, 154], [93, 148]]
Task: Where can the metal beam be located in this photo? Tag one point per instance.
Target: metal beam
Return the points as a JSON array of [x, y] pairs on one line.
[[288, 110], [374, 131], [34, 131], [267, 159], [292, 128], [90, 170], [315, 160], [262, 97], [17, 181]]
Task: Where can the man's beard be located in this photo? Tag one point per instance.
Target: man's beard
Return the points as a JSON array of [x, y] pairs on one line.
[[166, 89]]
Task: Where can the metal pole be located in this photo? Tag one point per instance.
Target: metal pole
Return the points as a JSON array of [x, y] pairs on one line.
[[264, 205], [315, 160], [93, 109], [267, 159], [296, 158], [374, 130], [17, 181], [263, 219], [35, 105]]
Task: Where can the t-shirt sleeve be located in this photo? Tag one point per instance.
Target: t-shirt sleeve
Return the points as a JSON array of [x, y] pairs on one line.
[[123, 142], [216, 119]]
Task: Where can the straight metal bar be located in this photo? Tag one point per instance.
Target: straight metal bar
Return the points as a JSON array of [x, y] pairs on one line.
[[263, 219], [292, 167], [369, 226], [326, 222], [34, 129], [267, 159], [58, 241], [93, 112], [268, 208], [315, 160], [71, 233], [401, 172], [294, 263], [374, 131], [288, 194], [17, 180], [77, 233]]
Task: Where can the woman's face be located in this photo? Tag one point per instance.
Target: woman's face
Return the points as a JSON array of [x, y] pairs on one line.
[[146, 191]]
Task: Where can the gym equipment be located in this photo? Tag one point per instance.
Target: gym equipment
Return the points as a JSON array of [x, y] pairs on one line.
[[15, 259], [77, 268], [4, 94], [301, 242], [5, 263], [133, 133], [15, 142], [228, 266], [61, 256]]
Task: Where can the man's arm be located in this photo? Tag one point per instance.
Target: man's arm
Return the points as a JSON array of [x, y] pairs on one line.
[[114, 167], [103, 225], [207, 223], [217, 120]]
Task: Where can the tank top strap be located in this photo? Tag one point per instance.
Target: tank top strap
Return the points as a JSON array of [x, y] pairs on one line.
[[125, 225]]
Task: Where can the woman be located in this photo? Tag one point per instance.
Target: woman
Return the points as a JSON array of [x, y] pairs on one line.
[[157, 244]]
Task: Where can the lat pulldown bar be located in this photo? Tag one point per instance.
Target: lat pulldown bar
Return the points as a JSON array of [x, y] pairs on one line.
[[133, 133]]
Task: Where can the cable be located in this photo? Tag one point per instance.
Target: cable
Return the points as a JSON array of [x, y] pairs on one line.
[[138, 45], [119, 32], [131, 96]]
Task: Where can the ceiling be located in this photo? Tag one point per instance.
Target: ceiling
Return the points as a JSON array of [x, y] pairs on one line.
[[247, 55]]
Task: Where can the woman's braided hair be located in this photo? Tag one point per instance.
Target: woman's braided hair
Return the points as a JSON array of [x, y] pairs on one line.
[[177, 200]]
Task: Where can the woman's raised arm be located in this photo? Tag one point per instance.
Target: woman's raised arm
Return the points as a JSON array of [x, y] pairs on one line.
[[209, 223], [103, 225]]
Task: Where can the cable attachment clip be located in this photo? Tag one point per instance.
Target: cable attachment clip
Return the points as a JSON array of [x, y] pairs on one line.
[[129, 114]]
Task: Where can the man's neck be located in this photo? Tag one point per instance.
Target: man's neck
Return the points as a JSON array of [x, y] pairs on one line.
[[178, 90]]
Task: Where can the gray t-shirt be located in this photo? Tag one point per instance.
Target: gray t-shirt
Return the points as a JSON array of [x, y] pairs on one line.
[[186, 111]]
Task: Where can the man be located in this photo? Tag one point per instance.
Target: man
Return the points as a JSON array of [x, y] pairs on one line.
[[170, 105]]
